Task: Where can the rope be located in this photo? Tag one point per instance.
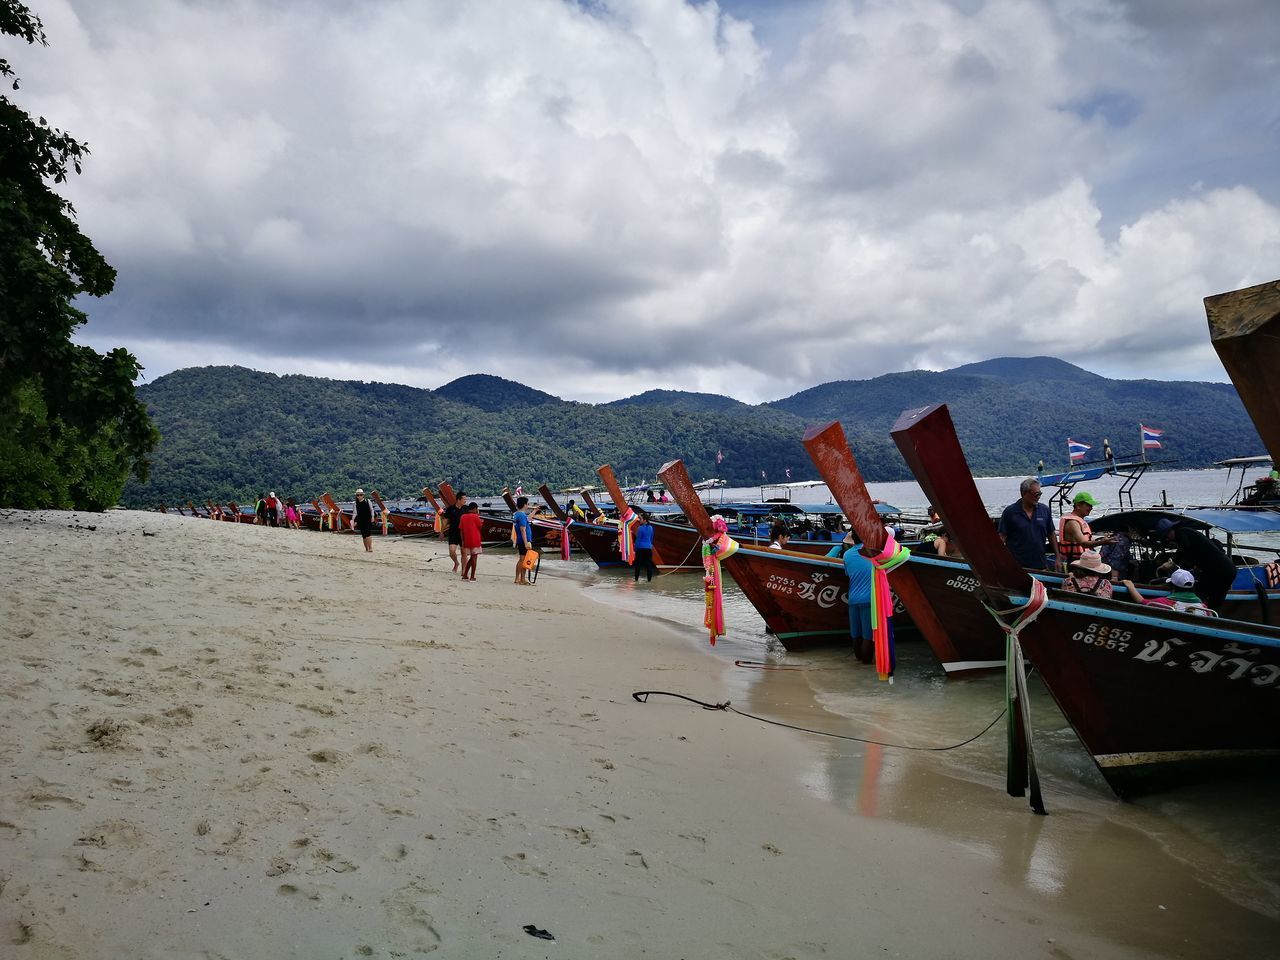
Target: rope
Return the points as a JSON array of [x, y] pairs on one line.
[[1017, 701], [697, 545], [642, 696]]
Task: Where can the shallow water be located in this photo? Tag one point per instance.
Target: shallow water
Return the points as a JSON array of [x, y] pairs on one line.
[[1190, 872]]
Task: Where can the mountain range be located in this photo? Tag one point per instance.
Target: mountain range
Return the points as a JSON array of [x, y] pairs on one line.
[[230, 433]]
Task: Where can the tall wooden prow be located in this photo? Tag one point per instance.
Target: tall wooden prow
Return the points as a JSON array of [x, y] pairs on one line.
[[927, 440], [548, 496], [1244, 326], [831, 454]]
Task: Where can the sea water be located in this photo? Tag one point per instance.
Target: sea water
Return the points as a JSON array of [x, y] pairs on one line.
[[1212, 850]]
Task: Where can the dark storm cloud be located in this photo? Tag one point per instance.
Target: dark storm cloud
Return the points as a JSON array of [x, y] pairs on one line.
[[602, 198]]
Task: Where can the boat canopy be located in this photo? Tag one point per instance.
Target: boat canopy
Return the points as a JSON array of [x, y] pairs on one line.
[[1242, 461], [1232, 520]]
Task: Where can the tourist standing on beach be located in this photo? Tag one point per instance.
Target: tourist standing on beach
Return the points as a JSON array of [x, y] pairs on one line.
[[524, 540], [291, 517], [260, 511], [469, 530], [273, 509], [364, 520], [644, 549], [452, 514]]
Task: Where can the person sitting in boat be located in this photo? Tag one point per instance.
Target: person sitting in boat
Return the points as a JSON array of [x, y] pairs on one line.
[[1026, 525], [1183, 598], [663, 498], [649, 497], [778, 536], [1074, 534], [1210, 567], [933, 535], [1087, 574], [574, 512], [860, 572]]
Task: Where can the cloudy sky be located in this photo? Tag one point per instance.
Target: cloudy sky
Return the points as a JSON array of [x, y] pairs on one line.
[[602, 197]]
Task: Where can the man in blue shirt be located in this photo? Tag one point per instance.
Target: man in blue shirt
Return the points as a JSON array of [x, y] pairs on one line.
[[1026, 525], [524, 539], [860, 572]]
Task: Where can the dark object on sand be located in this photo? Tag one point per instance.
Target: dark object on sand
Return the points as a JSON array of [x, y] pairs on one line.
[[533, 931]]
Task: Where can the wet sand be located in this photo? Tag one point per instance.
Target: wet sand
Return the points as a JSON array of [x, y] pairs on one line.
[[227, 741]]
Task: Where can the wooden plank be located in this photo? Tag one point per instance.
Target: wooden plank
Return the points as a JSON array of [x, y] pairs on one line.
[[1244, 326]]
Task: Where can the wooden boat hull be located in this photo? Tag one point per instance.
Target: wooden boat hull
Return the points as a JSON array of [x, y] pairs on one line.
[[679, 547], [1159, 698], [598, 542], [803, 600], [412, 524]]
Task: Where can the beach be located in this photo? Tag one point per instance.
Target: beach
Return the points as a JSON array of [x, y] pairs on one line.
[[222, 740]]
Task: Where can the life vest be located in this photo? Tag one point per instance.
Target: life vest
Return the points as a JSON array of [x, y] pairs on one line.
[[1069, 552]]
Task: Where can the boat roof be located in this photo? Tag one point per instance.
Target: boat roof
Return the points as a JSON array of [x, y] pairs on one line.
[[817, 509], [1231, 519], [1242, 461], [1084, 473]]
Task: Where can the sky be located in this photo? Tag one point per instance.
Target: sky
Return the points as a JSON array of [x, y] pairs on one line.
[[609, 196]]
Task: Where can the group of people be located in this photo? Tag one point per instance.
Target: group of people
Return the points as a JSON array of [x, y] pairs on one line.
[[271, 511], [1199, 572], [462, 526]]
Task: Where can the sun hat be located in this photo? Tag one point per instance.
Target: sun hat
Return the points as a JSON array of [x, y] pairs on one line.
[[271, 494], [360, 491], [1084, 496], [1091, 560], [1182, 579]]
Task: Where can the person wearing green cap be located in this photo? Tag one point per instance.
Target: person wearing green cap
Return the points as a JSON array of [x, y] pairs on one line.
[[1074, 534]]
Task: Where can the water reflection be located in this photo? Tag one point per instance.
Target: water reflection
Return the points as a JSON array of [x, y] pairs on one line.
[[1209, 855]]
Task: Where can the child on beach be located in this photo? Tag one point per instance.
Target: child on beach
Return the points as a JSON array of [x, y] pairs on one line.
[[469, 530]]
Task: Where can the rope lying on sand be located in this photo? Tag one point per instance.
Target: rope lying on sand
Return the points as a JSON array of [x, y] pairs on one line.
[[642, 696]]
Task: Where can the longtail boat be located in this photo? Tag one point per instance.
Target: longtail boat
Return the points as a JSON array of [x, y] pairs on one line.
[[1244, 327], [954, 624], [599, 542], [1157, 697], [414, 523], [803, 599]]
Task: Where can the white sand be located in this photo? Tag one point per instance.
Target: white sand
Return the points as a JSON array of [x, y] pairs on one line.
[[226, 741]]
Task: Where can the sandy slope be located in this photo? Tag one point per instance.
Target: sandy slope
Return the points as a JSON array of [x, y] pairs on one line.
[[225, 741]]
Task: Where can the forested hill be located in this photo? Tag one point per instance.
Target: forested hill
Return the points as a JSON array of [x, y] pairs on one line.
[[229, 432]]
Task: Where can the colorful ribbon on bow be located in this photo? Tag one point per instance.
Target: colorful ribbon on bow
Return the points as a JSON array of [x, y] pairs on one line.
[[626, 536], [564, 538], [892, 555], [714, 550]]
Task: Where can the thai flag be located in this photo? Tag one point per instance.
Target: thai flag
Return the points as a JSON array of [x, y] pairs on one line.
[[1150, 437], [1076, 450]]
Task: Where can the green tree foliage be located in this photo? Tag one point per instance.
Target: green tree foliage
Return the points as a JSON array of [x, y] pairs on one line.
[[65, 409], [231, 433]]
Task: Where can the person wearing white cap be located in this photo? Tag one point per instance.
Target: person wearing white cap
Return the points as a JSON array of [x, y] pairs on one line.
[[364, 519], [273, 510], [1183, 598]]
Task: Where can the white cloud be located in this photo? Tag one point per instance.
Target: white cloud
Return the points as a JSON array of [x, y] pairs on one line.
[[597, 199]]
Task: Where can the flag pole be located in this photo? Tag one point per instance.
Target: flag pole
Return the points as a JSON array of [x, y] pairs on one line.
[[1142, 442]]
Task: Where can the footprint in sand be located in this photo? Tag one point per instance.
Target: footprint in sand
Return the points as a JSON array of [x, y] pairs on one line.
[[409, 906], [581, 834], [636, 859], [519, 863]]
